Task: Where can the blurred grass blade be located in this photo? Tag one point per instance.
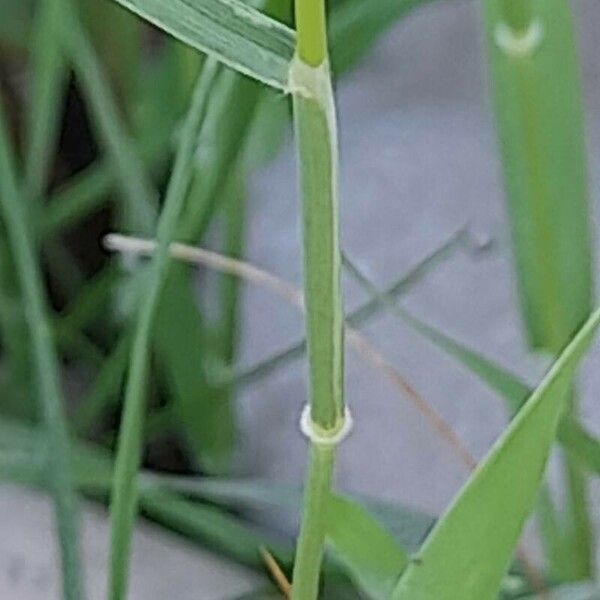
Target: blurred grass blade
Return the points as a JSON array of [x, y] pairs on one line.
[[206, 417], [15, 25], [23, 460], [540, 124], [202, 407], [514, 392], [467, 538], [212, 526], [79, 197], [116, 35], [407, 526], [229, 30], [124, 500], [372, 556], [46, 367], [104, 391], [580, 444], [49, 73], [539, 108], [140, 197]]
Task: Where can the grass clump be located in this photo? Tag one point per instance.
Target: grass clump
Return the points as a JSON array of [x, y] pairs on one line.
[[194, 112]]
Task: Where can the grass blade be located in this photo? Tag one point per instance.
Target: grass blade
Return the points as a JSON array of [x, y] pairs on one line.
[[206, 417], [372, 556], [46, 367], [124, 501], [49, 78], [207, 422], [228, 30], [139, 212], [467, 538], [540, 124], [105, 389], [540, 121]]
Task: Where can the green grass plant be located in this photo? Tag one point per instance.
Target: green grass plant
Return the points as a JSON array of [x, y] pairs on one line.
[[177, 123]]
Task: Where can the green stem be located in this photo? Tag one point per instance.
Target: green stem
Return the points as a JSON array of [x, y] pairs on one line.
[[45, 366], [124, 498], [577, 561], [315, 125], [311, 26], [49, 77], [309, 554], [235, 223], [517, 13], [317, 145]]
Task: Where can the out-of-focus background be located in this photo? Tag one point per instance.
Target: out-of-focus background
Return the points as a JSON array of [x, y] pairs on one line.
[[419, 165]]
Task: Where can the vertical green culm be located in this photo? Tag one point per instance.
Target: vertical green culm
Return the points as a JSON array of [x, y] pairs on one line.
[[325, 420]]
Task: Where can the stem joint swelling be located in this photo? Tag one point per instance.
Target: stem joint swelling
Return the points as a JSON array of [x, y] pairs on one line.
[[312, 83], [326, 437], [519, 43]]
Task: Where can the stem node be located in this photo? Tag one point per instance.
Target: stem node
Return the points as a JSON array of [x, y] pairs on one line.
[[326, 437]]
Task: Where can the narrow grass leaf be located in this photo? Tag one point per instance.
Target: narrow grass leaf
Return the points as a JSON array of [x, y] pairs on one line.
[[467, 539], [46, 367], [124, 501], [540, 125], [372, 556], [49, 73], [140, 197], [204, 409], [408, 527], [205, 415], [229, 30]]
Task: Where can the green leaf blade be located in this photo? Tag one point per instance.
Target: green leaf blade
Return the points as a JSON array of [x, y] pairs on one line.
[[469, 550], [372, 556], [231, 31], [540, 125]]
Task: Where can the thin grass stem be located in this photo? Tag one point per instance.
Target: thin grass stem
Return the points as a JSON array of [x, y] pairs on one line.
[[46, 367], [48, 83], [124, 496]]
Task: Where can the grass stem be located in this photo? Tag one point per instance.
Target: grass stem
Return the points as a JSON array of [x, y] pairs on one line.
[[309, 555], [316, 132], [311, 26], [45, 366], [124, 497]]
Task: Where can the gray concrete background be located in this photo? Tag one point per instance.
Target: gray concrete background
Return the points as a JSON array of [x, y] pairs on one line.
[[419, 160]]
